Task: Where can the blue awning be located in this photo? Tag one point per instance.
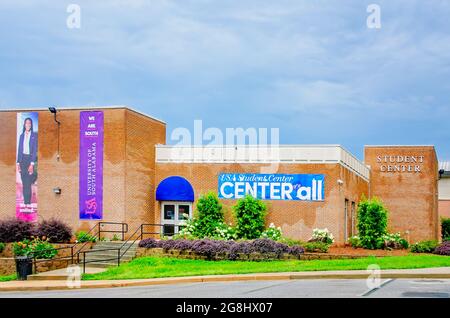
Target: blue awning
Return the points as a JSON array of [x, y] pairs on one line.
[[175, 189]]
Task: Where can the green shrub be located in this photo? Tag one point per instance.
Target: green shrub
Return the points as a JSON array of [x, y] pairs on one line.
[[355, 241], [316, 247], [372, 223], [22, 248], [2, 247], [42, 249], [83, 237], [209, 216], [291, 242], [38, 248], [424, 246], [250, 214], [445, 229]]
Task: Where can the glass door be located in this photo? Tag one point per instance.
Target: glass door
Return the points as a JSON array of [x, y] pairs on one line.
[[174, 216]]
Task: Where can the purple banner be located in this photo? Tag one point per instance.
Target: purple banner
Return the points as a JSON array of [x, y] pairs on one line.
[[91, 165]]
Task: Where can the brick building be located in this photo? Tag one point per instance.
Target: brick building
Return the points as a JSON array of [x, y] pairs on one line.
[[143, 180], [444, 189]]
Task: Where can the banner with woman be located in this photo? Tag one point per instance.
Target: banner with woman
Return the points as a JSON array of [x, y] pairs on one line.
[[26, 166]]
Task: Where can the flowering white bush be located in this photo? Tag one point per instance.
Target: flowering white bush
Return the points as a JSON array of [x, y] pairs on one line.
[[222, 231], [394, 241], [322, 235], [355, 241], [272, 232], [226, 232], [188, 228]]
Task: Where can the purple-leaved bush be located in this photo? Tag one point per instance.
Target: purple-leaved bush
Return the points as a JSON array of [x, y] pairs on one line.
[[148, 243], [210, 248], [443, 249], [13, 230], [56, 231]]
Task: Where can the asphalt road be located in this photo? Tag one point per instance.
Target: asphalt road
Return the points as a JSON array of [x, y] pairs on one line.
[[348, 288]]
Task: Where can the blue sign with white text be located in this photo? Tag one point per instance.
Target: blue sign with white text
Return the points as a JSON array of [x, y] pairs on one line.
[[301, 187]]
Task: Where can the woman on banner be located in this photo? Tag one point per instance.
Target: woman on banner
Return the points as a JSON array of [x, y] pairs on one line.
[[26, 159]]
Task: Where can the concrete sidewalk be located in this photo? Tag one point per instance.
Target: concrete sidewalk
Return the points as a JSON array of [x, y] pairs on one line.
[[437, 272], [62, 274]]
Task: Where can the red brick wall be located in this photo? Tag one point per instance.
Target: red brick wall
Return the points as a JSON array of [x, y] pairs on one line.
[[64, 173], [128, 166], [444, 208], [410, 197], [297, 218], [142, 134]]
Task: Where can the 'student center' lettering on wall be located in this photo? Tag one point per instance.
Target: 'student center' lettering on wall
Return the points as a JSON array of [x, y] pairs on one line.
[[400, 163]]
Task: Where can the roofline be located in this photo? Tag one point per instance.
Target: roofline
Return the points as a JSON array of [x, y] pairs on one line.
[[345, 156], [251, 145], [267, 145], [396, 146], [82, 108]]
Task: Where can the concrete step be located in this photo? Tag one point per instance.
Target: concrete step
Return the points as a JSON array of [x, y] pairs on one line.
[[108, 250], [101, 257], [115, 247], [110, 253], [116, 244], [104, 254]]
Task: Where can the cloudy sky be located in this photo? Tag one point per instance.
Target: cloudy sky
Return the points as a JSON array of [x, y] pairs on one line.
[[313, 69]]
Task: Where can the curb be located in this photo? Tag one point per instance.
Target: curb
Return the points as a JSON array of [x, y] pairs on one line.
[[43, 285]]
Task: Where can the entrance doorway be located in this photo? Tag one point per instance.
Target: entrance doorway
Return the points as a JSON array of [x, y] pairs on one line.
[[174, 216]]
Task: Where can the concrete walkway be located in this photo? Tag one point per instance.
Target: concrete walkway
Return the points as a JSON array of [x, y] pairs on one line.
[[31, 285], [62, 274]]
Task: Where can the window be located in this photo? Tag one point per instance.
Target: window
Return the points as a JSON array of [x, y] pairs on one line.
[[353, 218], [174, 215]]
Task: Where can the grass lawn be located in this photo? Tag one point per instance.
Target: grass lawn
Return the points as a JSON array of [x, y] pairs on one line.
[[8, 278], [153, 267]]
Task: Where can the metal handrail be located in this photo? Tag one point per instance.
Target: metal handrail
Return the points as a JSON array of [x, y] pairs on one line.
[[92, 261], [123, 245], [141, 229], [99, 231], [149, 224], [72, 254], [138, 229], [123, 231], [97, 226]]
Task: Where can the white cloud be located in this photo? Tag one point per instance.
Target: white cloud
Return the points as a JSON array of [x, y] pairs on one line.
[[259, 59]]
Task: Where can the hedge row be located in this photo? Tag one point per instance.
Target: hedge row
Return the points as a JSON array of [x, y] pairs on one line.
[[210, 248]]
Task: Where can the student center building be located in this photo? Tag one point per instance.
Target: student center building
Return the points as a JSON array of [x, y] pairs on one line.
[[112, 164]]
